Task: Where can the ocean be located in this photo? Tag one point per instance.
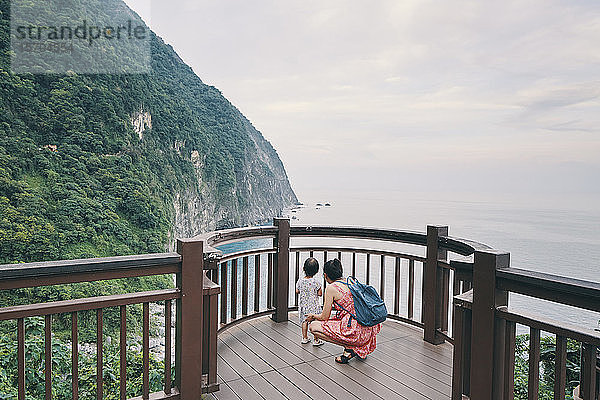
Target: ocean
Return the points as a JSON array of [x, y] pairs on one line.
[[548, 233]]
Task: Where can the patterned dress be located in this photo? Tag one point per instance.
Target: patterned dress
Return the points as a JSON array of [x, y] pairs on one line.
[[361, 339], [308, 299]]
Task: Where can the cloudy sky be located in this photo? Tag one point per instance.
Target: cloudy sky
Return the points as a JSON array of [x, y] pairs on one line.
[[406, 94]]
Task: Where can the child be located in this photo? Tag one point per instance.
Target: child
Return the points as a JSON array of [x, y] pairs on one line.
[[309, 289]]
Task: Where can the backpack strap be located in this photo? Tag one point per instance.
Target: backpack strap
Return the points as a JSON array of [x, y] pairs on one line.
[[347, 283], [343, 308]]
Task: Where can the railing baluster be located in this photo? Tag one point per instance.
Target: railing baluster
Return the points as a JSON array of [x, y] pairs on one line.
[[74, 357], [324, 261], [445, 298], [234, 284], [270, 281], [509, 363], [589, 371], [99, 339], [456, 289], [245, 286], [339, 256], [21, 358], [311, 254], [224, 292], [123, 353], [168, 345], [353, 264], [48, 356], [209, 361], [216, 275], [382, 278], [257, 283], [533, 384], [146, 353], [397, 285], [411, 288], [297, 276], [560, 368], [368, 272], [460, 361]]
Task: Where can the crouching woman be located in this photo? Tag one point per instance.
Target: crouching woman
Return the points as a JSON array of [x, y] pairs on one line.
[[338, 327]]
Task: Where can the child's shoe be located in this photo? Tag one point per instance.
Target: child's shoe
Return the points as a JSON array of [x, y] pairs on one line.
[[318, 342], [305, 340]]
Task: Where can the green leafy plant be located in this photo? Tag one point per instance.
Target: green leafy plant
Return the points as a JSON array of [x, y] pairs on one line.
[[547, 358]]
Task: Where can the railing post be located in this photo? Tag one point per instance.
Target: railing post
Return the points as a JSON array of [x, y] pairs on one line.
[[210, 315], [433, 286], [587, 384], [462, 346], [488, 333], [189, 319], [281, 269], [209, 342]]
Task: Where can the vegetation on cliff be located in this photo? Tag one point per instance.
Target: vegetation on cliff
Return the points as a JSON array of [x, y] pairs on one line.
[[103, 164]]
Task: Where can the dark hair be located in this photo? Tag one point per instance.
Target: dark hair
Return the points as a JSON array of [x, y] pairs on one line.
[[311, 267], [333, 269]]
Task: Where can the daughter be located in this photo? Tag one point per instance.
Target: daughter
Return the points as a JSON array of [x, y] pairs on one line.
[[309, 289]]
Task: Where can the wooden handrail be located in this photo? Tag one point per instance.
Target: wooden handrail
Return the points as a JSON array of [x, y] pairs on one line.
[[360, 250], [570, 291], [551, 326], [89, 303], [14, 276]]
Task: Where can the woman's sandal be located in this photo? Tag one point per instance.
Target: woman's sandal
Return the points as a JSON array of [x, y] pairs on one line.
[[344, 359]]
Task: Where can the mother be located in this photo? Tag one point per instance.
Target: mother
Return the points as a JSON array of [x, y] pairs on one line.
[[357, 340]]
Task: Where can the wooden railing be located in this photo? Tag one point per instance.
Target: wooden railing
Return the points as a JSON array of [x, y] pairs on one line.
[[484, 348], [191, 343], [419, 286], [462, 302]]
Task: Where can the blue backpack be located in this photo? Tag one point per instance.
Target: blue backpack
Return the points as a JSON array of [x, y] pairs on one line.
[[369, 307]]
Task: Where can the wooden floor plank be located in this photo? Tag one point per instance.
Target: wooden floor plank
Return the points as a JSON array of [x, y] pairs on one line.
[[276, 347], [225, 393], [249, 357], [406, 379], [416, 360], [225, 372], [386, 380], [235, 362], [293, 346], [285, 386], [261, 351], [443, 387], [262, 386], [442, 350], [434, 356], [244, 390], [326, 383], [305, 384], [354, 387], [357, 376], [294, 337]]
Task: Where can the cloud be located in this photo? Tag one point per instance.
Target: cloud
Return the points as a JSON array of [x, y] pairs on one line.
[[392, 83]]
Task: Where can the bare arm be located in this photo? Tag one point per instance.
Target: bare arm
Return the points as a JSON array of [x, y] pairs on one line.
[[329, 297]]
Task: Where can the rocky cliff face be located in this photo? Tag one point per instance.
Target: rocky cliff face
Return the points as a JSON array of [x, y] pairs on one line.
[[260, 192]]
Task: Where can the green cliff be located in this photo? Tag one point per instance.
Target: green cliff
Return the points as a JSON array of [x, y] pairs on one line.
[[98, 165]]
